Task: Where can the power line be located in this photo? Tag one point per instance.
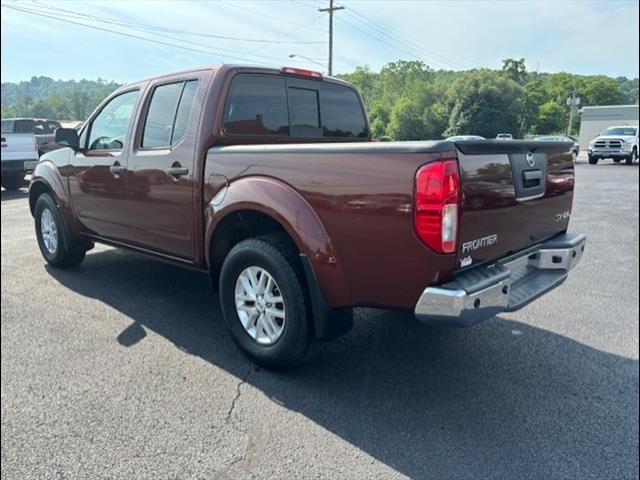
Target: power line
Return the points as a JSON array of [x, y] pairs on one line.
[[450, 56], [95, 27], [437, 58], [170, 30], [382, 41], [400, 43], [278, 19], [189, 42]]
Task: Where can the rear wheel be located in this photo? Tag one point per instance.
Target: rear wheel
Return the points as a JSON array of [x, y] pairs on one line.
[[12, 182], [633, 157], [593, 160], [52, 238], [264, 302]]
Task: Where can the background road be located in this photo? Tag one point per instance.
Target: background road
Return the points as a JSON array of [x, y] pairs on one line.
[[122, 369]]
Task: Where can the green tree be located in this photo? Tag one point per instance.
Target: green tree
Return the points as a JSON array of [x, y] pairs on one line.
[[600, 91], [485, 103], [551, 118], [514, 69], [629, 90]]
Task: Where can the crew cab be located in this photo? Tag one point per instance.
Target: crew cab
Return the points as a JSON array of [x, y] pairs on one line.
[[19, 156], [618, 143], [269, 181]]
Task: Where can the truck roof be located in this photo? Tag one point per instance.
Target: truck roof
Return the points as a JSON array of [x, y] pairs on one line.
[[225, 67]]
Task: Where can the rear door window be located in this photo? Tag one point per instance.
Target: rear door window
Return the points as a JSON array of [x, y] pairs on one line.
[[45, 127], [256, 105], [7, 126], [24, 126], [168, 114], [162, 111], [184, 111]]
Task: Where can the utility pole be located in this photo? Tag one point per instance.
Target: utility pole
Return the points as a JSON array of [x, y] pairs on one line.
[[572, 101], [331, 9]]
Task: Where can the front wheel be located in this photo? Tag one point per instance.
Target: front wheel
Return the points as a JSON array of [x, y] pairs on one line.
[[50, 231], [264, 302], [633, 157], [593, 160]]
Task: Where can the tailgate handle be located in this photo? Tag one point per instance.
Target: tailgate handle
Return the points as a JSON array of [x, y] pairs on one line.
[[531, 178]]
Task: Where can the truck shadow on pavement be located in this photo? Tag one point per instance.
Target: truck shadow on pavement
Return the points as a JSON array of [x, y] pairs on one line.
[[502, 399], [15, 194]]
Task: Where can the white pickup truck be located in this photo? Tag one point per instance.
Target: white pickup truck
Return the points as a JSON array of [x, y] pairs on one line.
[[19, 156], [619, 143]]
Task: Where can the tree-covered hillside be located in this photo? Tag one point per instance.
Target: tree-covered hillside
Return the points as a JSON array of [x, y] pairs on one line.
[[406, 100], [409, 101], [59, 99]]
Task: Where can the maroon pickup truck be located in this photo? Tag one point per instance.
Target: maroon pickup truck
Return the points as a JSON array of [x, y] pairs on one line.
[[268, 180]]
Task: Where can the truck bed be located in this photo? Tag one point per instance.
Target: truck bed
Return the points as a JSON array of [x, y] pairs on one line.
[[363, 194]]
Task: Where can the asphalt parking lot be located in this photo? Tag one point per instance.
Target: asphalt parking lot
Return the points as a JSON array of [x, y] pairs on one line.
[[122, 368]]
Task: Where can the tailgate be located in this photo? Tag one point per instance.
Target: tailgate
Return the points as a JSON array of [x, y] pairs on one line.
[[514, 194], [18, 146]]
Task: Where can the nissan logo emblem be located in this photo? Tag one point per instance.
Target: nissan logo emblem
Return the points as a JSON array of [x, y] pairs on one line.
[[531, 159]]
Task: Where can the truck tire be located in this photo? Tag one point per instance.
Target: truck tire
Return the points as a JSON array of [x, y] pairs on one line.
[[52, 236], [593, 160], [264, 301], [12, 182], [633, 157]]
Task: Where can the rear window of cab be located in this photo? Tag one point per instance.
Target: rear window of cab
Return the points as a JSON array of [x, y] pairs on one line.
[[270, 105]]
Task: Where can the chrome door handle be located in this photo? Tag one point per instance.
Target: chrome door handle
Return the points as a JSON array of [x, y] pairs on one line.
[[116, 169], [177, 172]]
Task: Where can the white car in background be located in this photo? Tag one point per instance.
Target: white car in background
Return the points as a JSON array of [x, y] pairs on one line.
[[19, 156], [617, 143], [504, 136], [459, 138]]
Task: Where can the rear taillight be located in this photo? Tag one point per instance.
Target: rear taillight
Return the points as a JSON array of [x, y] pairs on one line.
[[437, 205]]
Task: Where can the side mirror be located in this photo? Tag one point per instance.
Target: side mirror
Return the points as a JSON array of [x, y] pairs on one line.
[[68, 137]]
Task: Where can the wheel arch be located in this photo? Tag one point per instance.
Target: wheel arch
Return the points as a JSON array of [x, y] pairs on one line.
[[267, 205], [46, 178]]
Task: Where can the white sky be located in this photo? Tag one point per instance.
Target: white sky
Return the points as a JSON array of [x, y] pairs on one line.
[[584, 37]]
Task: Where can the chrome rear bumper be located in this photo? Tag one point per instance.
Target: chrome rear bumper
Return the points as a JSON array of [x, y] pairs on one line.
[[506, 285]]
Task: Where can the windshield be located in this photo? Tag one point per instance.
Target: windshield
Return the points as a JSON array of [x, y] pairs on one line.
[[627, 131]]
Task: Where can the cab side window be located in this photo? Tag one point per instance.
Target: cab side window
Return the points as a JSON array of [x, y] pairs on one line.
[[109, 128]]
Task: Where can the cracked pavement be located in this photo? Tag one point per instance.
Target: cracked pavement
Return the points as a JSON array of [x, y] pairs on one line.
[[122, 369]]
